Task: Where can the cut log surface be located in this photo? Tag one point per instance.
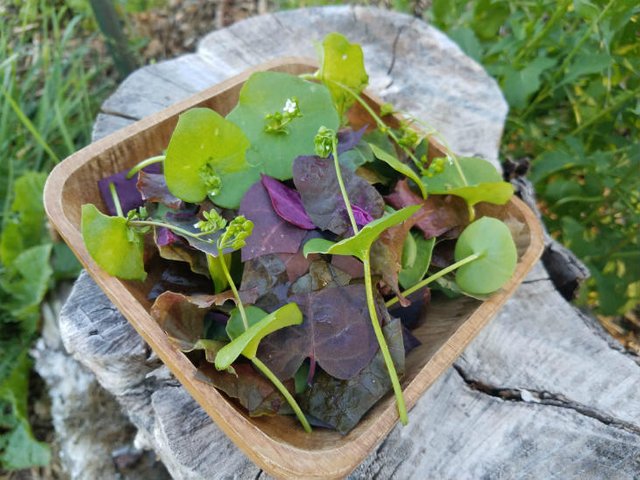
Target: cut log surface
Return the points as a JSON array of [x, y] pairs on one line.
[[542, 392]]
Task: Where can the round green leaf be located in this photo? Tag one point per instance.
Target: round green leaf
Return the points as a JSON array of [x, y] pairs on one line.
[[413, 273], [202, 137], [266, 93], [491, 239], [112, 244], [481, 182], [342, 63]]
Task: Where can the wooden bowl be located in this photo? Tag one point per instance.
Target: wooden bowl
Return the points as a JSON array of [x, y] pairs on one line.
[[276, 444]]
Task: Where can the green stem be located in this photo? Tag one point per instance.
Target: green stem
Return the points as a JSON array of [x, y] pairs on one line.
[[434, 277], [622, 99], [116, 199], [450, 154], [173, 228], [557, 16], [379, 122], [553, 84], [343, 189], [283, 390], [225, 270], [255, 360], [144, 164], [384, 348]]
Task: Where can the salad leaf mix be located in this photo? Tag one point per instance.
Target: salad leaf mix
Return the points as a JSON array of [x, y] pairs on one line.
[[291, 242]]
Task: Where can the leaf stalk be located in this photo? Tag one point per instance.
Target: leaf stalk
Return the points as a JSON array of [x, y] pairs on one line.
[[144, 164], [384, 348], [434, 277], [343, 189]]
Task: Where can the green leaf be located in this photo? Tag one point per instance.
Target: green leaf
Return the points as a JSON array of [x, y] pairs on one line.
[[27, 281], [481, 182], [467, 41], [27, 228], [18, 447], [492, 239], [360, 244], [587, 64], [203, 138], [488, 17], [235, 327], [356, 156], [237, 184], [399, 167], [267, 92], [518, 85], [216, 272], [112, 244], [64, 263], [247, 343], [342, 63], [412, 274]]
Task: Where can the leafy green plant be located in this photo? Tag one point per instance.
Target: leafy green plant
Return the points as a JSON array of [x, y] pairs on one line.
[[569, 71]]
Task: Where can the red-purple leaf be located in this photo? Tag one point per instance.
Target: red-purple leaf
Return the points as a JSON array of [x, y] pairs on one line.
[[287, 203], [253, 391], [342, 403], [349, 138], [126, 189], [349, 265], [265, 282], [386, 255], [316, 180], [271, 234], [362, 216], [336, 332], [153, 188], [439, 214], [179, 278]]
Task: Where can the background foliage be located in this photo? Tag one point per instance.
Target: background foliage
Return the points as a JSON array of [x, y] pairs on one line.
[[570, 70], [49, 92]]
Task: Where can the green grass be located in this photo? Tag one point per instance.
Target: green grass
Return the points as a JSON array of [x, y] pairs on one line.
[[51, 85]]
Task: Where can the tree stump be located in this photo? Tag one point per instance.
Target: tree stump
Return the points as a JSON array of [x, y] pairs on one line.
[[542, 392]]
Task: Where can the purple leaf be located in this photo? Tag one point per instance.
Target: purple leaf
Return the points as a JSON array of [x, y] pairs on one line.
[[349, 138], [178, 277], [336, 333], [362, 216], [165, 236], [126, 189], [153, 188], [287, 203], [128, 194], [342, 403], [316, 180], [265, 282], [349, 265], [271, 234], [439, 213], [409, 340], [253, 390]]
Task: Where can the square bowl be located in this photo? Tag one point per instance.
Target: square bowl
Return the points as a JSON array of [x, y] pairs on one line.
[[277, 444]]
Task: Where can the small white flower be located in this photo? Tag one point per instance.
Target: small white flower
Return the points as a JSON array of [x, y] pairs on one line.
[[290, 106]]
